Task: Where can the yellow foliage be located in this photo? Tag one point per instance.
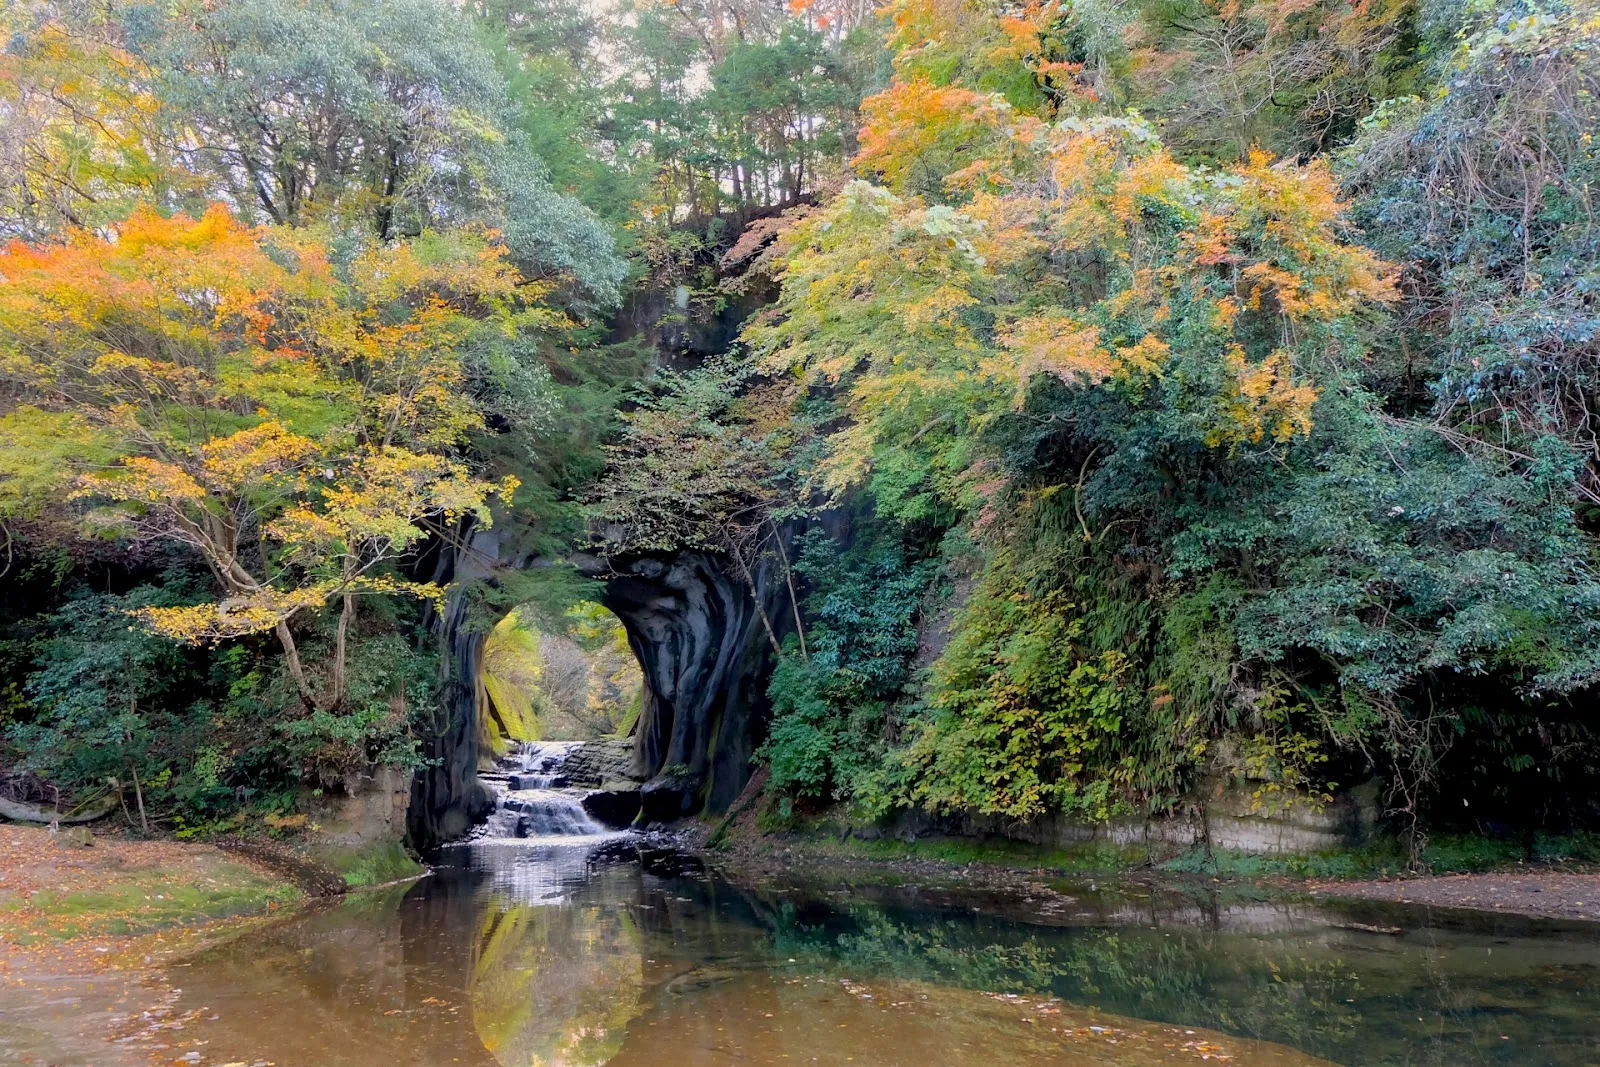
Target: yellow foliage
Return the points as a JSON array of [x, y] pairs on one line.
[[232, 617], [511, 672], [141, 480], [1292, 213], [1261, 400], [83, 109], [1081, 250], [224, 385], [964, 41], [253, 456], [265, 607]]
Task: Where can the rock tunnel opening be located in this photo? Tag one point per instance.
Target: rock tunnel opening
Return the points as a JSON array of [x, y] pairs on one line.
[[703, 660], [706, 660], [572, 677]]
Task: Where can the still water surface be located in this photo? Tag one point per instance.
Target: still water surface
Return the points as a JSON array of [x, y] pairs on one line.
[[520, 954]]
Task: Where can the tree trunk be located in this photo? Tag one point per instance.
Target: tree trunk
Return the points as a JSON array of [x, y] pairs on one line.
[[291, 654], [144, 823], [391, 184], [794, 599], [755, 595], [340, 643]]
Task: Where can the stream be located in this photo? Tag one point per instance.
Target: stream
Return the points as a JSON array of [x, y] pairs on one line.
[[551, 941]]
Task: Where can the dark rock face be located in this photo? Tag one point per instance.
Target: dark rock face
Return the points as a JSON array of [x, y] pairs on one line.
[[706, 659], [447, 799], [600, 763]]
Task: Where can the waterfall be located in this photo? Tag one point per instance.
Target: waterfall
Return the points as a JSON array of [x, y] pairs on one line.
[[534, 800]]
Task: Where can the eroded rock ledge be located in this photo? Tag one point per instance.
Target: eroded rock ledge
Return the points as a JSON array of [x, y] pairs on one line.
[[706, 658]]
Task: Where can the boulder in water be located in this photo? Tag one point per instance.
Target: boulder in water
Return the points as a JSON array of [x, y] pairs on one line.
[[616, 808], [669, 799]]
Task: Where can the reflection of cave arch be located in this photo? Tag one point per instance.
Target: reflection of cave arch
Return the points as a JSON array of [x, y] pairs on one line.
[[555, 985], [697, 636]]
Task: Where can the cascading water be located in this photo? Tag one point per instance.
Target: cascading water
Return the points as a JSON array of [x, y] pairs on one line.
[[534, 799]]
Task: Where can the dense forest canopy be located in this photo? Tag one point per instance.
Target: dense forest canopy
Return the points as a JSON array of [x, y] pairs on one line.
[[1141, 393]]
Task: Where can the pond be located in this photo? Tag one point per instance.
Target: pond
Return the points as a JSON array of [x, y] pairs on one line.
[[613, 951]]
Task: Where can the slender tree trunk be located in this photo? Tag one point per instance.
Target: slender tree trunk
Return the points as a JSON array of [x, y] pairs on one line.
[[133, 768], [391, 184], [291, 653], [755, 595], [138, 796], [794, 598], [340, 642]]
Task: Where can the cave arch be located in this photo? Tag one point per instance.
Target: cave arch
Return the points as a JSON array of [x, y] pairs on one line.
[[705, 656], [706, 659]]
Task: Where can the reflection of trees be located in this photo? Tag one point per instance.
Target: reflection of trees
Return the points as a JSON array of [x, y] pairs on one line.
[[1269, 989], [555, 986]]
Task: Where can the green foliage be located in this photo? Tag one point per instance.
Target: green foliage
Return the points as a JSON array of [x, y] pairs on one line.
[[1444, 854], [1223, 78], [1499, 343], [102, 693], [38, 451], [569, 677], [765, 129], [692, 467], [829, 734], [1158, 404], [207, 732], [391, 680], [384, 151], [1024, 720], [1218, 490], [411, 116], [822, 838]]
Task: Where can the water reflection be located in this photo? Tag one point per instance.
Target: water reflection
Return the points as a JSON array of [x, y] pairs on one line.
[[519, 957], [556, 986]]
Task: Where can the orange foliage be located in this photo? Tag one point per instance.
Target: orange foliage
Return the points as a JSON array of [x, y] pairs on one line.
[[1026, 38], [1261, 399], [962, 42], [1055, 343], [915, 130]]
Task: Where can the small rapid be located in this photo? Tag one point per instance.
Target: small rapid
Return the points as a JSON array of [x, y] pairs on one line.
[[535, 800]]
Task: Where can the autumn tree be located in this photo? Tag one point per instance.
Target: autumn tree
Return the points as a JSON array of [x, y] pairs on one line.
[[296, 426], [80, 136]]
